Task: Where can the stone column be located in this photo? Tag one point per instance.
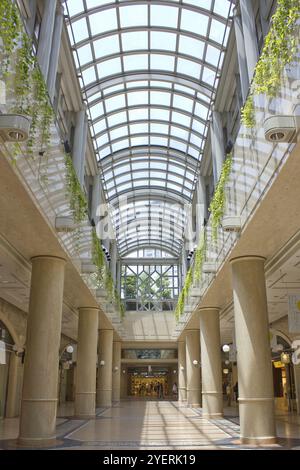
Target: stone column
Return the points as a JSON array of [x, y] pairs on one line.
[[59, 18], [119, 274], [85, 397], [113, 261], [79, 145], [193, 381], [39, 396], [217, 145], [105, 353], [211, 365], [251, 46], [14, 386], [96, 199], [201, 212], [241, 53], [116, 371], [31, 19], [255, 379], [181, 371], [45, 38]]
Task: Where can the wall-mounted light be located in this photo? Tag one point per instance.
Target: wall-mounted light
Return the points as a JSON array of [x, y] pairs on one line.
[[225, 371], [285, 358], [124, 371], [181, 368], [225, 348], [14, 127], [227, 362], [69, 349], [195, 362], [102, 363], [174, 371], [116, 368]]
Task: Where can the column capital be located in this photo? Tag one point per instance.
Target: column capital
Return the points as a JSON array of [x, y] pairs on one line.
[[89, 308], [50, 257], [247, 258], [203, 309]]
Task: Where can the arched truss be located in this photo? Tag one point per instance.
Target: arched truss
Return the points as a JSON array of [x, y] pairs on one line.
[[148, 72]]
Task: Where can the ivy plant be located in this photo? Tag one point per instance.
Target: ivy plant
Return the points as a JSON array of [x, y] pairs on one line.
[[78, 201], [279, 50], [199, 258], [28, 84], [103, 275], [10, 27], [217, 204]]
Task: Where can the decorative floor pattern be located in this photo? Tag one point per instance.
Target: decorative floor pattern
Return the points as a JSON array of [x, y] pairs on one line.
[[159, 425]]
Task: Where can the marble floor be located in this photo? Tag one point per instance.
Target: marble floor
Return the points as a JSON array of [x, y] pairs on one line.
[[154, 425]]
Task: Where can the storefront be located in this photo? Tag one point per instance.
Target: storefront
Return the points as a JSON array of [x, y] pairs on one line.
[[283, 376], [150, 382], [6, 350]]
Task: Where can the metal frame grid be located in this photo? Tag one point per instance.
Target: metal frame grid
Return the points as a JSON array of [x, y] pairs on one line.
[[149, 72]]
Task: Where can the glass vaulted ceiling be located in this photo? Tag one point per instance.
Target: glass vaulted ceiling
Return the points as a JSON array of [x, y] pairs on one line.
[[148, 72]]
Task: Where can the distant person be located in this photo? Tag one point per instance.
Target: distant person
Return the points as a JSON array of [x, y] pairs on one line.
[[160, 390], [175, 390], [236, 391], [228, 394]]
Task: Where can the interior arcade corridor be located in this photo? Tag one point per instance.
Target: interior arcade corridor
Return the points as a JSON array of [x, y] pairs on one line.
[[149, 224]]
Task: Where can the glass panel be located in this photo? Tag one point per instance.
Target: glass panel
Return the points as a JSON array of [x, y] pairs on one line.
[[159, 128], [136, 62], [191, 46], [137, 97], [217, 31], [162, 62], [188, 67], [80, 30], [195, 22], [160, 114], [119, 132], [106, 46], [136, 15], [102, 21], [183, 103], [212, 55], [116, 119], [138, 114], [161, 40], [138, 128], [85, 54], [89, 75], [134, 40], [116, 102], [123, 144], [109, 67], [164, 16], [181, 119], [157, 97], [75, 7]]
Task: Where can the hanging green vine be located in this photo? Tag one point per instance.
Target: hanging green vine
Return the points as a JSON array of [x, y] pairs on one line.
[[78, 201], [199, 259], [279, 50], [29, 88], [103, 275], [184, 294], [217, 204], [10, 26]]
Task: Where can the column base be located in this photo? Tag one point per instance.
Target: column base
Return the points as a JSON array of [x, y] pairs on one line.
[[104, 398], [77, 416], [194, 405], [258, 441], [36, 443], [212, 415]]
